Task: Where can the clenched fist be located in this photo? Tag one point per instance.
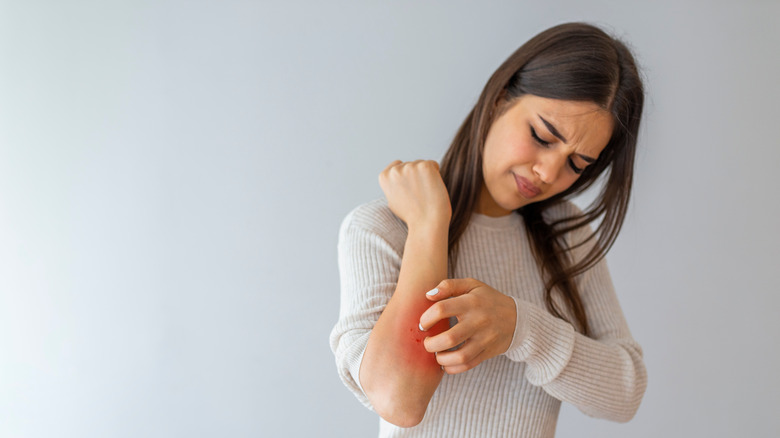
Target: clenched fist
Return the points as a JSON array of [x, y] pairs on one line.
[[416, 193]]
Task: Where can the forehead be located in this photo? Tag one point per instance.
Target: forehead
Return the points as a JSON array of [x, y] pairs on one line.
[[586, 126]]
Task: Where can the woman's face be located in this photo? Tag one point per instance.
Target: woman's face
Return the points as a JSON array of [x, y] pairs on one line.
[[537, 148]]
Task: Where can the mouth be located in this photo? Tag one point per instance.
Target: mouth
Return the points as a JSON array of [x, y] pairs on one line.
[[526, 188]]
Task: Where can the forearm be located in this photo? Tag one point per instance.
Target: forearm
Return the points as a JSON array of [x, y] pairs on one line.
[[604, 378], [397, 374]]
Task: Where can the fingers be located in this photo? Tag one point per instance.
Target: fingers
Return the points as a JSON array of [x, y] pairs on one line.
[[463, 359], [449, 339], [452, 288], [459, 368], [474, 348], [399, 170], [384, 174], [423, 163], [393, 164], [442, 310]]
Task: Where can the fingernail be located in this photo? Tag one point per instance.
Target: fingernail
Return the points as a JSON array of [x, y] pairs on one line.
[[420, 326], [432, 292]]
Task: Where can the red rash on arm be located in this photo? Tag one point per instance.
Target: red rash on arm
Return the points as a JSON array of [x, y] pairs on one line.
[[418, 356], [398, 375]]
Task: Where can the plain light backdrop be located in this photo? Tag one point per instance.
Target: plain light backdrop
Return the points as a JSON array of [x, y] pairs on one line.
[[173, 175]]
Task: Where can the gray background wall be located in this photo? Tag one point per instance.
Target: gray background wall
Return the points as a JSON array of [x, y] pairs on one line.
[[173, 174]]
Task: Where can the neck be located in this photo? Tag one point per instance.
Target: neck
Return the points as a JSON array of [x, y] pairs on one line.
[[487, 205]]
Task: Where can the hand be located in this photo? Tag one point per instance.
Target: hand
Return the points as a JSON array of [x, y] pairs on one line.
[[416, 193], [486, 323]]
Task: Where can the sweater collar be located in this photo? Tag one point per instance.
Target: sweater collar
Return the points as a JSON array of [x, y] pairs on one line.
[[511, 220]]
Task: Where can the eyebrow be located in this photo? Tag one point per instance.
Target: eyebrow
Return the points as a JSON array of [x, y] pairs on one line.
[[554, 131]]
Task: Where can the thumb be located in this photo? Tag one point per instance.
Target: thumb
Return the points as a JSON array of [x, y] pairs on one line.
[[452, 287]]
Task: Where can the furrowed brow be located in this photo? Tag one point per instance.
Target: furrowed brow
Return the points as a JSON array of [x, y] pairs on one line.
[[552, 129]]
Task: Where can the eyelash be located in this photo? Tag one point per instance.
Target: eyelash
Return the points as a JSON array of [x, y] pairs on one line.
[[546, 144], [539, 140]]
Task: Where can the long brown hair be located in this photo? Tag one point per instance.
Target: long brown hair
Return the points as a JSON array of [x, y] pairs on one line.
[[572, 61]]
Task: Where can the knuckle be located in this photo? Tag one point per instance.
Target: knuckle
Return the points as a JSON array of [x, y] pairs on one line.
[[471, 300], [460, 357], [448, 339], [440, 309]]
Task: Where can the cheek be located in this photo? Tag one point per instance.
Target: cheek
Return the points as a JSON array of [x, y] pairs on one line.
[[565, 182], [501, 158], [525, 153]]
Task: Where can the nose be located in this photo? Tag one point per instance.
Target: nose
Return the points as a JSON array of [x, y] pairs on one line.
[[548, 166]]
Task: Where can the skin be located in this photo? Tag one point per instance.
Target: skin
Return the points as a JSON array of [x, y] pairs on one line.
[[403, 365], [397, 374], [511, 149], [486, 317]]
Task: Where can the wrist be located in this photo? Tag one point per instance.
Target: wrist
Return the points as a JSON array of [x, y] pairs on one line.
[[430, 227]]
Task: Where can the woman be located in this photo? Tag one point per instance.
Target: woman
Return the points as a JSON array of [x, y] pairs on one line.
[[491, 243]]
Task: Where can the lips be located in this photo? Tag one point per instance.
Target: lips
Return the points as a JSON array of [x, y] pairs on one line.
[[526, 187]]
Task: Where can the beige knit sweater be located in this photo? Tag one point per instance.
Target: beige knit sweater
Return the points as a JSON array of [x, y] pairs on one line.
[[519, 393]]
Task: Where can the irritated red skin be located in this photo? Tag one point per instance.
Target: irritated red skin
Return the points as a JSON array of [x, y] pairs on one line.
[[416, 355]]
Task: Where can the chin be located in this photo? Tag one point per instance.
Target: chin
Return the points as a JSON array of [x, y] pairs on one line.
[[513, 205]]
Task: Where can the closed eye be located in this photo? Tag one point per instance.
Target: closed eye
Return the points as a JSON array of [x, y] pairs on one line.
[[539, 140], [546, 144], [577, 170]]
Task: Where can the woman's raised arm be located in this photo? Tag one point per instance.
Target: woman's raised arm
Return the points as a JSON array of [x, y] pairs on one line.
[[397, 374]]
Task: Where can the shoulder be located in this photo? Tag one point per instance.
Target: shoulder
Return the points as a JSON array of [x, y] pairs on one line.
[[579, 236], [375, 218]]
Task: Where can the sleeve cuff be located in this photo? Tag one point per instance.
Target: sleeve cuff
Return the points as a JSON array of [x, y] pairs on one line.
[[354, 370]]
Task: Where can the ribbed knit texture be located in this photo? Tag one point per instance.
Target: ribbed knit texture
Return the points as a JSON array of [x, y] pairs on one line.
[[517, 394]]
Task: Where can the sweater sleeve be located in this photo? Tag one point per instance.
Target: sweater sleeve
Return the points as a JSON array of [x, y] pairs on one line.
[[369, 265], [603, 375]]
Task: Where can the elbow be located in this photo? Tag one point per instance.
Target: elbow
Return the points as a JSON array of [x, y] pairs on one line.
[[633, 390], [398, 410], [617, 412], [625, 415], [401, 416], [635, 396], [620, 407], [626, 410]]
